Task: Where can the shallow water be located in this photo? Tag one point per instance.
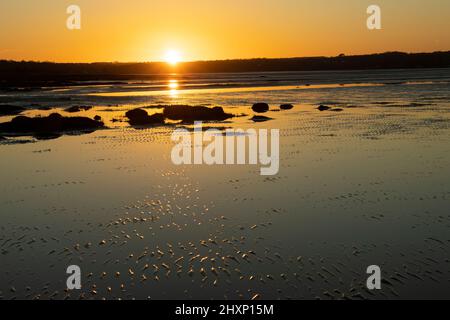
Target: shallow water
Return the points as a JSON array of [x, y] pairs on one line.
[[368, 185]]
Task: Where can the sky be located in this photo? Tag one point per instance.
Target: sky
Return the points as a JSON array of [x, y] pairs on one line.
[[146, 30]]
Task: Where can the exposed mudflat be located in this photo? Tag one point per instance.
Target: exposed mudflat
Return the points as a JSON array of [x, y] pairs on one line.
[[365, 186]]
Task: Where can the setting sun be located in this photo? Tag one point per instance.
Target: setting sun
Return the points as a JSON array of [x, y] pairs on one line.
[[172, 57]]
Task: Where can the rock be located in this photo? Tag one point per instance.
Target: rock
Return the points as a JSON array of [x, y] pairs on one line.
[[2, 138], [51, 125], [139, 117], [326, 108], [260, 107], [97, 118], [323, 108], [199, 113], [260, 118], [77, 109], [10, 110], [286, 106], [136, 114]]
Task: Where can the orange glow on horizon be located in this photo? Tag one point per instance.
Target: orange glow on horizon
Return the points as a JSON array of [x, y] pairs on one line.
[[179, 31]]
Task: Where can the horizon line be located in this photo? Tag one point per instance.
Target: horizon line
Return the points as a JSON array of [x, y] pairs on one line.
[[222, 60]]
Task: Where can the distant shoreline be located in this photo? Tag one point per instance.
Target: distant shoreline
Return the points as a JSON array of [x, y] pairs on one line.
[[28, 73]]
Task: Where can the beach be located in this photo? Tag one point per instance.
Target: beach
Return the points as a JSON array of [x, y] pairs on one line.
[[364, 183]]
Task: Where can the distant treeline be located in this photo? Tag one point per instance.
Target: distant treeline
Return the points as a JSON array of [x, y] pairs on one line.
[[23, 71]]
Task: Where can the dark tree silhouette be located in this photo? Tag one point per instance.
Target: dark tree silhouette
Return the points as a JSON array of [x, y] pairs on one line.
[[28, 73]]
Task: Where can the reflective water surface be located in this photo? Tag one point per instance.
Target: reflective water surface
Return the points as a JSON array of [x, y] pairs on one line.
[[365, 186]]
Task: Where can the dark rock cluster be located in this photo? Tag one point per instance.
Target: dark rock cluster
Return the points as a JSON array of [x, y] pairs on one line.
[[54, 124]]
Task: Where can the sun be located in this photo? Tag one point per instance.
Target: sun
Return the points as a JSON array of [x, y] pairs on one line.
[[172, 57]]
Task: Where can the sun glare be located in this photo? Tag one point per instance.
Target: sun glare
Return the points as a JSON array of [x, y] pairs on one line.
[[172, 57], [173, 84], [173, 88]]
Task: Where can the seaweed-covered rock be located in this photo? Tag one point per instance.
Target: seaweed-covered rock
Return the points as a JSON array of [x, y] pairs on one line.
[[139, 117], [10, 110], [260, 107], [286, 106], [323, 108], [75, 109], [53, 124], [260, 118], [199, 113]]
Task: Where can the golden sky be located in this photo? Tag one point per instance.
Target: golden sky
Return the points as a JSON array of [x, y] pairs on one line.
[[145, 30]]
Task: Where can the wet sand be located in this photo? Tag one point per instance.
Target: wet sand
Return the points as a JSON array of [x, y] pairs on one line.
[[367, 185]]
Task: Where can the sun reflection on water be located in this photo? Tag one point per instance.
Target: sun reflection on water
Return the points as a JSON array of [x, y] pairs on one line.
[[173, 87]]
